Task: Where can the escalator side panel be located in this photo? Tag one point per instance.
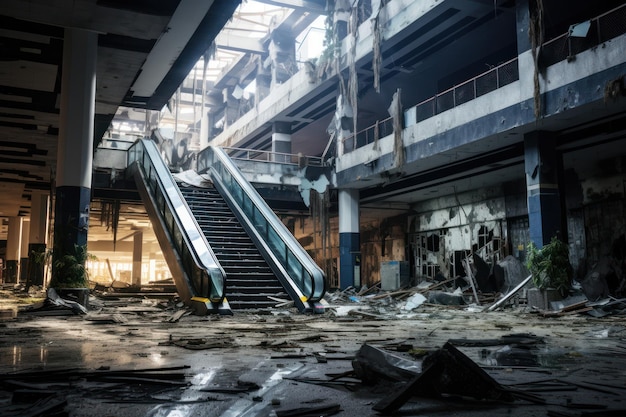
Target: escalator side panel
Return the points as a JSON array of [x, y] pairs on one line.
[[183, 286]]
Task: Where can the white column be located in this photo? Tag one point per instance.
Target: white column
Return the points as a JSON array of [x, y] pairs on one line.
[[14, 237]]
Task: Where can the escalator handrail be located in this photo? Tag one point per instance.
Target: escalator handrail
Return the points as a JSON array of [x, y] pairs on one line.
[[202, 255], [211, 155]]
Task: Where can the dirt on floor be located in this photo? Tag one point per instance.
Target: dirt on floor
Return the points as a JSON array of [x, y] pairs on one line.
[[135, 356]]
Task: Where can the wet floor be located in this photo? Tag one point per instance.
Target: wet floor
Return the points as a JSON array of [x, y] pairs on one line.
[[260, 364]]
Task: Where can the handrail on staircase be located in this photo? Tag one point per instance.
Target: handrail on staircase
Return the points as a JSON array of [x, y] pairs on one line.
[[203, 276], [301, 269]]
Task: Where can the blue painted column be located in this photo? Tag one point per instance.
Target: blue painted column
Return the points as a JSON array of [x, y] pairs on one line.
[[75, 150], [544, 169], [349, 239]]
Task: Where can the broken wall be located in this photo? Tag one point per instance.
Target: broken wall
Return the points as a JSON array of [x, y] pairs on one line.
[[448, 229], [596, 212]]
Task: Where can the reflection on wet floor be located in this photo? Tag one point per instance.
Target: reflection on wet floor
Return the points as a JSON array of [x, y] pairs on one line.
[[273, 363]]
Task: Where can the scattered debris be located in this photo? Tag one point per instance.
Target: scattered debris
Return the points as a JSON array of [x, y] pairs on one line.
[[371, 364], [200, 343], [526, 339], [448, 372], [241, 387], [321, 411], [43, 393], [54, 305]]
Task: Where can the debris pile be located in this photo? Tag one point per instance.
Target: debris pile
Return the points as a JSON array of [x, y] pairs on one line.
[[45, 392], [470, 292]]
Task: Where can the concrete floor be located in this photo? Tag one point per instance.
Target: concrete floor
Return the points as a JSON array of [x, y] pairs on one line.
[[278, 350]]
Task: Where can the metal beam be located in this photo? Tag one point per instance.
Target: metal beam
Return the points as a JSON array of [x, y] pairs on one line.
[[304, 5], [240, 44]]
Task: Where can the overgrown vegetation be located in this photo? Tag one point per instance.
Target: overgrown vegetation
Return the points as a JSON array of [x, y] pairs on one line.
[[550, 266], [69, 269]]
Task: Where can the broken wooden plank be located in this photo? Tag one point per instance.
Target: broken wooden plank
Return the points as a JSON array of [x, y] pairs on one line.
[[322, 410], [470, 276], [560, 313]]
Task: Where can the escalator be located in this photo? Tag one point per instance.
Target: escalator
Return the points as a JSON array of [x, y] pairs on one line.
[[250, 279], [225, 247]]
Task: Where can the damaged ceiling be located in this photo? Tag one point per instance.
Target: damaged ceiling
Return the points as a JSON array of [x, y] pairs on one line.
[[145, 50]]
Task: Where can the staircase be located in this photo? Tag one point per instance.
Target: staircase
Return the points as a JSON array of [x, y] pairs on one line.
[[249, 279]]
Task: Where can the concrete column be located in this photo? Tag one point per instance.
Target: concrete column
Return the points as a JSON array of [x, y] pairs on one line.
[[39, 206], [349, 239], [231, 112], [341, 17], [522, 14], [263, 83], [24, 250], [344, 125], [281, 140], [75, 151], [544, 171], [137, 253], [14, 237], [282, 53]]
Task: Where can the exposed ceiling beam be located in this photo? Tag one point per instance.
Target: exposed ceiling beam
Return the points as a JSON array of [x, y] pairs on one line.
[[310, 6], [240, 44]]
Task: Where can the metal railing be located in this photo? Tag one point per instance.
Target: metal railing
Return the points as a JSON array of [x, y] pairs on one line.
[[471, 89], [256, 155], [378, 130], [482, 84], [601, 29], [301, 270], [199, 264]]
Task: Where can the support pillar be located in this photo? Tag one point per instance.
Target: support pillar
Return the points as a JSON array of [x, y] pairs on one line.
[[344, 126], [282, 54], [522, 17], [281, 141], [14, 237], [544, 170], [137, 253], [231, 111], [349, 239], [263, 82], [24, 250], [75, 154], [37, 238]]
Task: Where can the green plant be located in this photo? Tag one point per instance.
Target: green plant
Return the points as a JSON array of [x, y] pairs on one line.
[[550, 266], [69, 269]]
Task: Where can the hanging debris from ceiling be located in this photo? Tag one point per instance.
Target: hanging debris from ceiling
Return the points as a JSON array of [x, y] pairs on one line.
[[353, 83], [395, 111], [376, 42]]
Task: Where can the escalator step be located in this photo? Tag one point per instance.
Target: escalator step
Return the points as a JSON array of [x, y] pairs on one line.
[[249, 279]]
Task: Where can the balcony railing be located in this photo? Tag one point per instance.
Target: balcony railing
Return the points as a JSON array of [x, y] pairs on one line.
[[471, 89], [482, 84], [378, 130], [256, 155], [565, 47], [601, 29]]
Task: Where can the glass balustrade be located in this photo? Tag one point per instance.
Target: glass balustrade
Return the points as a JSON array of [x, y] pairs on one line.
[[300, 268], [197, 259]]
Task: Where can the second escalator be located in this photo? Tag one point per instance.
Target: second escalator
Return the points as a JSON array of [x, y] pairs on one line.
[[249, 279]]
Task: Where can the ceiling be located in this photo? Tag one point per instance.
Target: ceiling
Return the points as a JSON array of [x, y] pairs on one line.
[[145, 50]]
